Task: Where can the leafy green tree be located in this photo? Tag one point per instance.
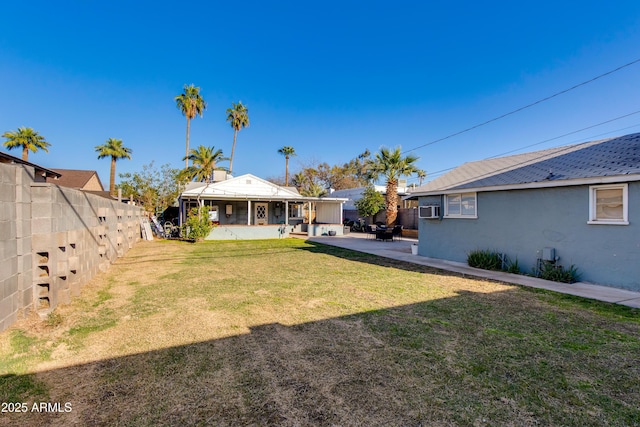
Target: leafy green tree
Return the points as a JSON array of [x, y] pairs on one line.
[[27, 139], [370, 203], [355, 173], [204, 161], [287, 152], [154, 189], [191, 104], [197, 225], [238, 118], [391, 165], [113, 148], [359, 169]]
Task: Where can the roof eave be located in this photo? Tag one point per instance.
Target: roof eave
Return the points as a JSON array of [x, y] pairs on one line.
[[531, 185]]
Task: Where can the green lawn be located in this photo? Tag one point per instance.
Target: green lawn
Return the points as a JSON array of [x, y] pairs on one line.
[[289, 333]]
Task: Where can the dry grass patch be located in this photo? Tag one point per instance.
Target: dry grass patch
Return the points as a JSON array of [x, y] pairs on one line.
[[292, 333]]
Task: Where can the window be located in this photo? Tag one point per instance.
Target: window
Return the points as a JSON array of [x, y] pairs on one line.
[[608, 204], [461, 205], [295, 210], [213, 213]]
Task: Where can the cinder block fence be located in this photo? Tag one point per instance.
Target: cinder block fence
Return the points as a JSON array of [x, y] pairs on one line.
[[53, 240]]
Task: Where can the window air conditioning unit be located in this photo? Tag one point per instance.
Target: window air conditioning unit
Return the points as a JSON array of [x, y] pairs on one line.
[[429, 212]]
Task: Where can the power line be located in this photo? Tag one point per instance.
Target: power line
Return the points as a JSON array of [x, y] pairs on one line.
[[566, 134], [437, 173], [525, 107]]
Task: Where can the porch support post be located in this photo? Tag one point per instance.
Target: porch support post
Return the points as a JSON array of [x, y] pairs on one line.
[[286, 212], [248, 212]]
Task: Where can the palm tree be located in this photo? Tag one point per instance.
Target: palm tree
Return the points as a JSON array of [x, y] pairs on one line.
[[238, 117], [28, 139], [191, 104], [391, 165], [287, 152], [204, 164], [113, 148], [421, 175]]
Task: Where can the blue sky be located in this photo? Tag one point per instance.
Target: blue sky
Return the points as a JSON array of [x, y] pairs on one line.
[[329, 78]]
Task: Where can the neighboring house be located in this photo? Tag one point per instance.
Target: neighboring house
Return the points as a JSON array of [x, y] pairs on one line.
[[248, 207], [85, 180], [40, 174], [79, 179], [575, 205]]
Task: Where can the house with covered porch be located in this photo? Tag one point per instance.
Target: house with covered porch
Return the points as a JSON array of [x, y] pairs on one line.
[[247, 207]]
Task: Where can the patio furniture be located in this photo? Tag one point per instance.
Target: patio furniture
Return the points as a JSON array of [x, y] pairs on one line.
[[384, 235], [371, 231], [397, 231]]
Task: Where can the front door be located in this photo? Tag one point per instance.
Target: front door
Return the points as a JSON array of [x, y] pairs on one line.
[[262, 213]]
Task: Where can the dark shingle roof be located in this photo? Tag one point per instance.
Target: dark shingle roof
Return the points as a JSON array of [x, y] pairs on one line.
[[603, 158], [47, 173]]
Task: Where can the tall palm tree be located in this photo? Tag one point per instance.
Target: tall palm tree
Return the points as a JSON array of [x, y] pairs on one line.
[[287, 152], [238, 117], [421, 175], [113, 148], [205, 161], [27, 139], [391, 165], [191, 104]]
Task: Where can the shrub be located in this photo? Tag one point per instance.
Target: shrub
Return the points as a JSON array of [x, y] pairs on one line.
[[514, 267], [557, 273], [492, 260], [198, 225], [485, 259]]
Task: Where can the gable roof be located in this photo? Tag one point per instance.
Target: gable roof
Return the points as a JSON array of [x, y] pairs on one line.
[[242, 187], [610, 160], [76, 178], [247, 187]]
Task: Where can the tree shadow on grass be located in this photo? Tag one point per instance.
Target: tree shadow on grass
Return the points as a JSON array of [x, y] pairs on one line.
[[471, 359]]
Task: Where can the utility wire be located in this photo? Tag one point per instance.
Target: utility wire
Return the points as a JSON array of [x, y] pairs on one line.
[[437, 173], [566, 134], [525, 107]]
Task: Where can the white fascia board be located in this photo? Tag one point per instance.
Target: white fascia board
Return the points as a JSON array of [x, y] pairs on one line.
[[205, 196], [531, 185]]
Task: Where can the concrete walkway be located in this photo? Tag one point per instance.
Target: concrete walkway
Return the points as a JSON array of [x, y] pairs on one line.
[[401, 250]]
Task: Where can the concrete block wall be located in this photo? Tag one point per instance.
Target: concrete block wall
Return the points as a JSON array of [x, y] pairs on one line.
[[74, 236], [53, 239], [11, 280]]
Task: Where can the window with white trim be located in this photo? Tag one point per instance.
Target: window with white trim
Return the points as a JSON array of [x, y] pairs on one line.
[[608, 204], [461, 205], [295, 210]]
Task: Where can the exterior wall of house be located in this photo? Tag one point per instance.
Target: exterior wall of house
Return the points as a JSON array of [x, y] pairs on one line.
[[239, 212], [520, 223], [238, 232], [93, 184]]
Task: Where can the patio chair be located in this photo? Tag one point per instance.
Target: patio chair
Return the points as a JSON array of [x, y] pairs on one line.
[[397, 232], [384, 234], [371, 231]]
